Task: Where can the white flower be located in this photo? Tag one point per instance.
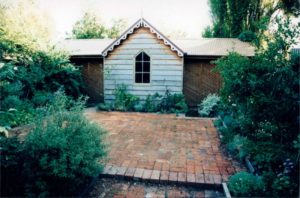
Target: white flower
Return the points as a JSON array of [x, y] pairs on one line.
[[15, 68]]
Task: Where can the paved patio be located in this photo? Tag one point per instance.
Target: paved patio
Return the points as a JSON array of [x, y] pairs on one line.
[[164, 148]]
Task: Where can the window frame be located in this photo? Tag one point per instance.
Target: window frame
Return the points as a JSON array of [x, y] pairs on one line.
[[135, 72]]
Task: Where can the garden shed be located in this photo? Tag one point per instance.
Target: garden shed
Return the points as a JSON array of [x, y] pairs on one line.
[[148, 62]]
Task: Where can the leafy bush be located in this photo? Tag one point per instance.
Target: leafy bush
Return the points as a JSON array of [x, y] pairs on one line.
[[247, 36], [41, 98], [167, 103], [152, 103], [28, 74], [124, 101], [52, 149], [11, 101], [239, 147], [11, 163], [14, 112], [261, 96], [285, 182], [245, 184], [139, 107], [173, 103], [209, 106], [103, 107]]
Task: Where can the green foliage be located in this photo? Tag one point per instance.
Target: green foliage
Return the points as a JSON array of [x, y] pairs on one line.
[[247, 36], [152, 103], [49, 162], [115, 30], [41, 98], [124, 101], [208, 32], [245, 184], [11, 161], [14, 112], [239, 147], [52, 149], [103, 107], [209, 106], [261, 96], [168, 103], [90, 27], [173, 103], [26, 24], [233, 17], [26, 73]]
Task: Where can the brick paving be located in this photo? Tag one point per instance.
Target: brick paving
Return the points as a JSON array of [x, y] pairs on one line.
[[164, 148]]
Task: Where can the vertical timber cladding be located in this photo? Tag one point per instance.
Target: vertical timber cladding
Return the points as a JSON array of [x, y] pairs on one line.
[[92, 74], [199, 80], [166, 67]]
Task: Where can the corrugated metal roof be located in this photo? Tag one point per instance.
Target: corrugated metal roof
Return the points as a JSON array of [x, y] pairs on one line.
[[214, 46], [81, 47], [193, 47]]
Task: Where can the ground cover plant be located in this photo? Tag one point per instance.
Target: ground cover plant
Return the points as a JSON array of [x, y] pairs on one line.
[[260, 97]]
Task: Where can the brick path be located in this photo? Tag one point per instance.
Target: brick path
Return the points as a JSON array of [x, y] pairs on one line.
[[164, 148]]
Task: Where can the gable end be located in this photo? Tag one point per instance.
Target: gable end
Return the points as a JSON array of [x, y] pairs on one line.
[[143, 23]]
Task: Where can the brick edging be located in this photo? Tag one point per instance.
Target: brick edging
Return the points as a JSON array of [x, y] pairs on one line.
[[162, 177]]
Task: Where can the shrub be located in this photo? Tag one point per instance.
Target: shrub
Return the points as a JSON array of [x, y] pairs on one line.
[[261, 95], [285, 182], [239, 147], [11, 162], [245, 184], [139, 107], [124, 101], [11, 101], [62, 150], [247, 36], [19, 112], [209, 106], [41, 98], [27, 73], [152, 103], [103, 107], [173, 103]]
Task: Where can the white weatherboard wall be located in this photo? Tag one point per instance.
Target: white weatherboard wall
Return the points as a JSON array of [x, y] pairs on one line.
[[166, 67]]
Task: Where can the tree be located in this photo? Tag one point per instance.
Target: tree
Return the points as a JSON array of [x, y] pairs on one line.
[[118, 26], [29, 27], [91, 27], [232, 17], [88, 27]]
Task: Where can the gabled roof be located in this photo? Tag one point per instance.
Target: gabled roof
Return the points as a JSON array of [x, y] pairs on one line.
[[191, 47], [142, 23], [211, 47]]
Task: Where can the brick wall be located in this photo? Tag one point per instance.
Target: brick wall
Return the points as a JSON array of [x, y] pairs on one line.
[[92, 73], [199, 80]]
